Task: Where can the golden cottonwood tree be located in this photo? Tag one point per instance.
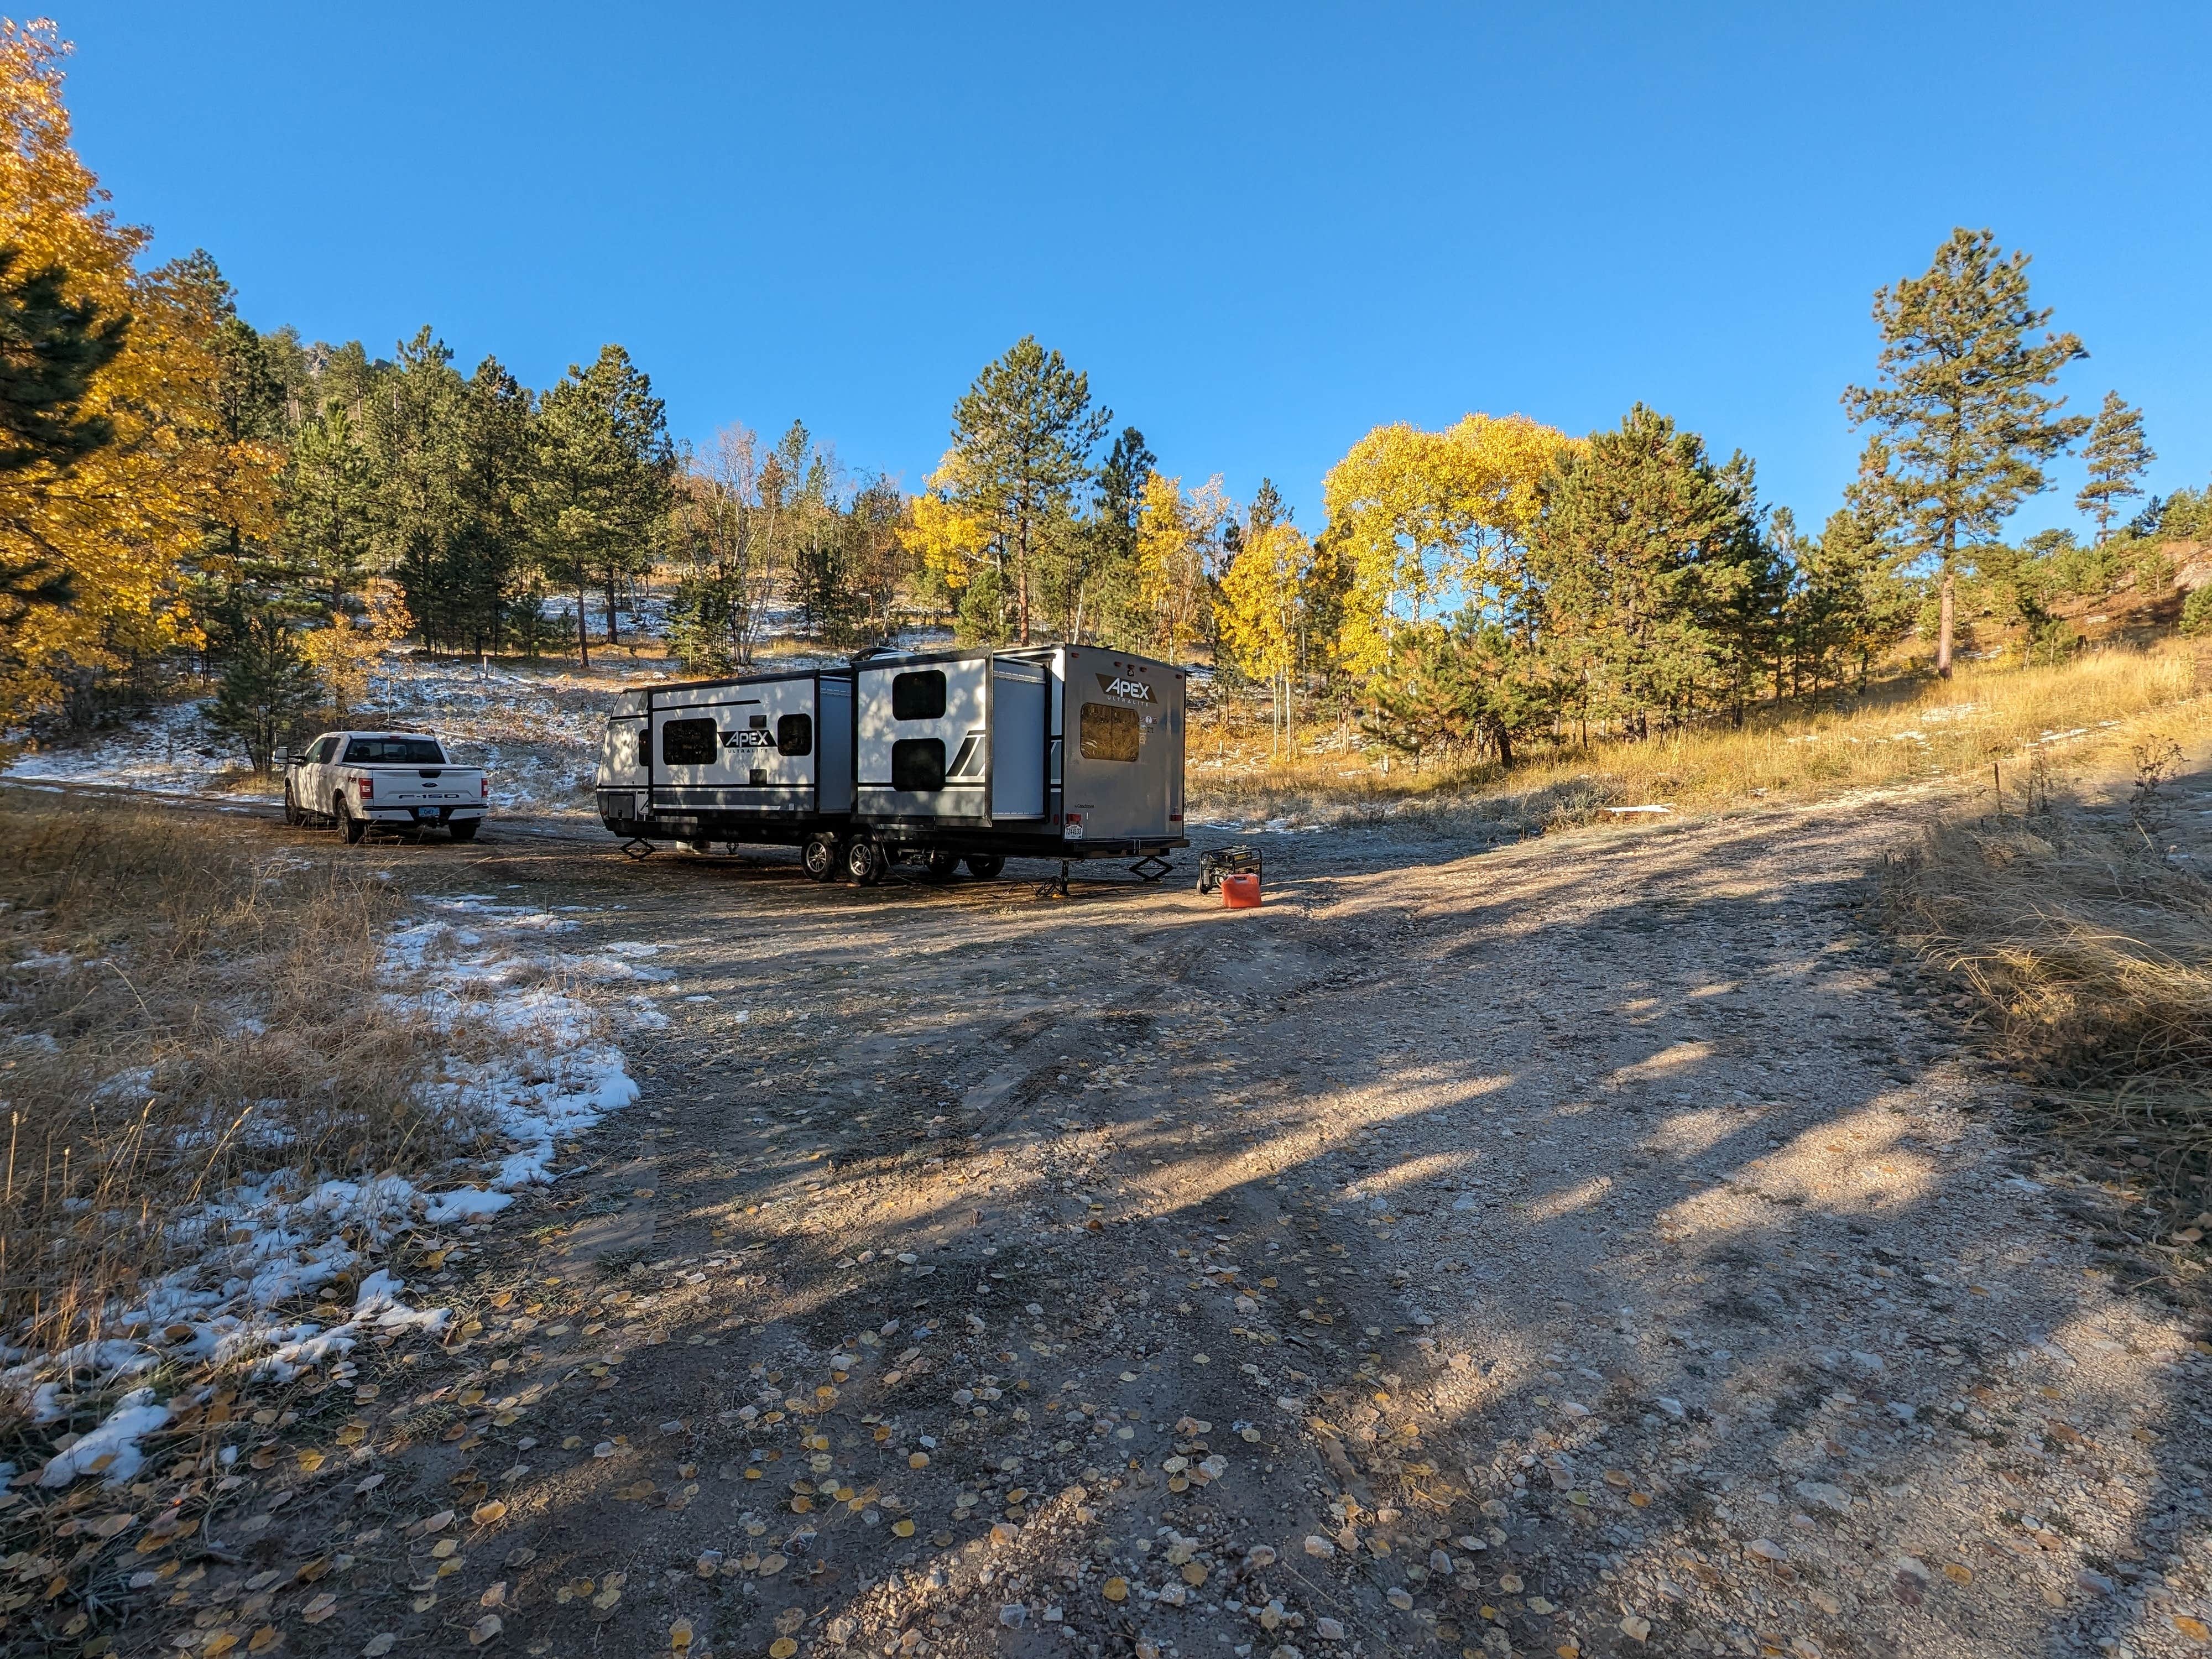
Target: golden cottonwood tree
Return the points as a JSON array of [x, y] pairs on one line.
[[121, 521], [1431, 521]]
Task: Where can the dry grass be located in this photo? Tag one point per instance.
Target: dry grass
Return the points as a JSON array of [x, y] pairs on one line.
[[2084, 950], [184, 1007], [1903, 732]]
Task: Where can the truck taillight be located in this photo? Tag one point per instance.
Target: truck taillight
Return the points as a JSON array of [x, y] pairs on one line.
[[483, 788], [365, 787]]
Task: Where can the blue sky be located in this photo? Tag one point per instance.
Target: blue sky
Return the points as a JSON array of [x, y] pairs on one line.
[[1261, 230]]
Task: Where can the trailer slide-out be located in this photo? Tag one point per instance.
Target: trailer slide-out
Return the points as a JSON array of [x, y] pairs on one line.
[[935, 757]]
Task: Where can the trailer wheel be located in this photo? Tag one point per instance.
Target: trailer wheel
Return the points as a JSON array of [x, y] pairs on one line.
[[985, 866], [864, 860], [943, 866], [355, 828], [821, 856]]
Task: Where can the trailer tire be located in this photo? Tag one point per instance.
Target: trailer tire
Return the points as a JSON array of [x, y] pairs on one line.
[[821, 856], [864, 860], [465, 828], [943, 865], [355, 828], [985, 866]]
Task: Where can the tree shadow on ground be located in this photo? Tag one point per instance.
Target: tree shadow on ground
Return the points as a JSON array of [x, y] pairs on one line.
[[1583, 1246]]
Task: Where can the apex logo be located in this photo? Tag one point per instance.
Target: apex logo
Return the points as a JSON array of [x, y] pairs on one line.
[[1136, 690]]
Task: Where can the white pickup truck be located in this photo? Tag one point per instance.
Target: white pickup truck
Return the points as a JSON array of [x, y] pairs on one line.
[[390, 780]]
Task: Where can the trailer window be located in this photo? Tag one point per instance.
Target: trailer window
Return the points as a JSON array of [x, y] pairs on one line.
[[690, 742], [1108, 732], [918, 762], [644, 746], [393, 752], [795, 734], [919, 695]]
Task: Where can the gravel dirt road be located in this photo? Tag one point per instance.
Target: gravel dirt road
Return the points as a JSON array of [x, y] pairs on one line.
[[1574, 1247]]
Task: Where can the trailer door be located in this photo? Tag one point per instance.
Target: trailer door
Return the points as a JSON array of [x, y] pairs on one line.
[[1018, 739]]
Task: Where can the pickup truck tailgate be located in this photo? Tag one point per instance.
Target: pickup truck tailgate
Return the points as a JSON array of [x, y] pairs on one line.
[[428, 786]]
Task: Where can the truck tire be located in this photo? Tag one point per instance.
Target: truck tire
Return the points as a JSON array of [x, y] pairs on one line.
[[822, 856], [943, 866], [985, 866], [293, 815], [355, 828], [864, 860], [465, 829]]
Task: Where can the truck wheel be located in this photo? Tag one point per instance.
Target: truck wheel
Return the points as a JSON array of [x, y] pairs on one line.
[[864, 861], [355, 828], [943, 866], [821, 856], [985, 866], [292, 812], [465, 829]]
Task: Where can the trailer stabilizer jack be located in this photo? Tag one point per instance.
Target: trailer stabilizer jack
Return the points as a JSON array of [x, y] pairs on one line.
[[1150, 868], [1054, 886], [638, 848]]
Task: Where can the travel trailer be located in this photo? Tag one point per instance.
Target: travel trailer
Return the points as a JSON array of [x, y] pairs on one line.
[[929, 758]]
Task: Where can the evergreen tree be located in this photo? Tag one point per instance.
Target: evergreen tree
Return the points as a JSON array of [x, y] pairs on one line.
[[1962, 415], [1095, 576], [491, 541], [413, 420], [1845, 604], [1024, 432], [51, 348], [331, 500], [266, 687], [2118, 457], [1649, 557], [604, 476]]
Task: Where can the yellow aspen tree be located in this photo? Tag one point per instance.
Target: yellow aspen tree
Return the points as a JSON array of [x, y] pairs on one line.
[[1170, 565], [343, 653], [1263, 596], [121, 520], [950, 538], [1430, 521]]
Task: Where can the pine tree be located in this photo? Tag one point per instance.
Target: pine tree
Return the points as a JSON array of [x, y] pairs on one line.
[[413, 422], [2118, 457], [1098, 577], [491, 541], [266, 686], [1024, 431], [1963, 418], [330, 504], [51, 348], [604, 476], [1650, 559]]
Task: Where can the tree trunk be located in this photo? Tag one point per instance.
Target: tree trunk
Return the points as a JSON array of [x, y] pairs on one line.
[[1948, 609], [583, 633], [613, 638]]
